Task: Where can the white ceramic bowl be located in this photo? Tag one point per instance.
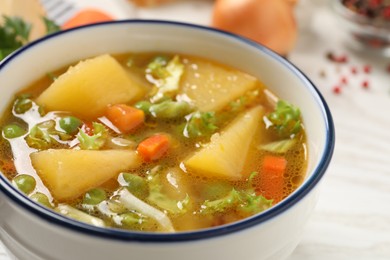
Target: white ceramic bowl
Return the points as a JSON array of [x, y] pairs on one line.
[[31, 231]]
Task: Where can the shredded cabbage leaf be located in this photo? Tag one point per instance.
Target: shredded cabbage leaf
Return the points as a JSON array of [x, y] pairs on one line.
[[136, 184], [158, 198], [168, 77], [95, 141], [45, 135], [167, 109], [279, 147], [133, 203], [200, 124], [245, 201], [285, 119]]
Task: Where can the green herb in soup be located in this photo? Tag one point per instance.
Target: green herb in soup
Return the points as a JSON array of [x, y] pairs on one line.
[[152, 142]]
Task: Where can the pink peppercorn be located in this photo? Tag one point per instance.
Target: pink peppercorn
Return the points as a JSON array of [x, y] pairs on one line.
[[337, 90], [367, 69], [386, 13], [365, 84], [374, 3], [337, 59], [344, 80]]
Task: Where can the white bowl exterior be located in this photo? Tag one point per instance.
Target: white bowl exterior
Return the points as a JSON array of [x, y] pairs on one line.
[[31, 238], [273, 238]]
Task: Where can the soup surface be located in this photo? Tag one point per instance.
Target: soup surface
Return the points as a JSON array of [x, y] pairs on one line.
[[152, 142]]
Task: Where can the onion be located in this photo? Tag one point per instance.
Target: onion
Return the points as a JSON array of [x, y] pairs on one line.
[[269, 22]]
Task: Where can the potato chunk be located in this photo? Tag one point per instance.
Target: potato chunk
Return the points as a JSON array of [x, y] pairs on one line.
[[210, 87], [70, 173], [88, 87], [225, 155]]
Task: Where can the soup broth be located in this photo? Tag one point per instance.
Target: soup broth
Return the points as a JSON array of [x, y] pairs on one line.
[[152, 142]]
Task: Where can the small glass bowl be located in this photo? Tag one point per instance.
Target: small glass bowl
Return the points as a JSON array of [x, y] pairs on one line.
[[364, 33]]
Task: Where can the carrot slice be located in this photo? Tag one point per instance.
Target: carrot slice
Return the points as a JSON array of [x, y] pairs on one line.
[[124, 117], [86, 16], [271, 178], [154, 147]]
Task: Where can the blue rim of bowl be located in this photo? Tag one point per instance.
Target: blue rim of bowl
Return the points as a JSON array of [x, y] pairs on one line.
[[125, 235]]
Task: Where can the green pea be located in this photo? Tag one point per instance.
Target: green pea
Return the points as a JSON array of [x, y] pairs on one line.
[[136, 185], [130, 219], [13, 131], [94, 196], [22, 105], [41, 199], [70, 124], [25, 183]]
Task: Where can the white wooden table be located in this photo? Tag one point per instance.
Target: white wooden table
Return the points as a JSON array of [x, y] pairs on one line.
[[352, 218]]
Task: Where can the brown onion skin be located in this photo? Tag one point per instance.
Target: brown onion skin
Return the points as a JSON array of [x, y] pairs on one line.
[[268, 22]]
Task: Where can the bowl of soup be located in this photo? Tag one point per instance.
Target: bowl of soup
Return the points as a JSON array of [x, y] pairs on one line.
[[157, 140]]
